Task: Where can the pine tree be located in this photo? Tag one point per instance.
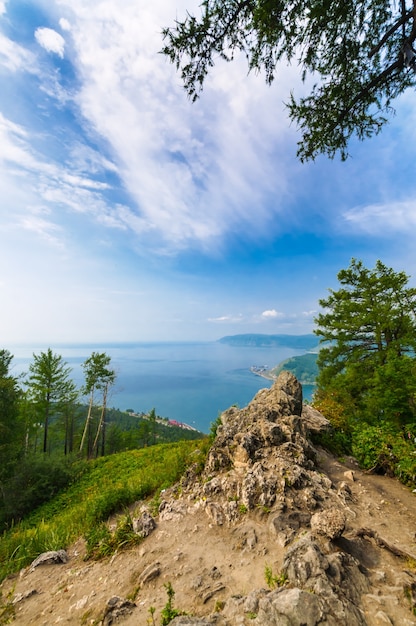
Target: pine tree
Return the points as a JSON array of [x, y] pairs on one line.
[[369, 341], [49, 386]]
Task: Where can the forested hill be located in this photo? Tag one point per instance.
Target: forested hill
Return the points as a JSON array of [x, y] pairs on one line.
[[299, 342], [304, 367]]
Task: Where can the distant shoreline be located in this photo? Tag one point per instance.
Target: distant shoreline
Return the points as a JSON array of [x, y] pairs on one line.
[[269, 376]]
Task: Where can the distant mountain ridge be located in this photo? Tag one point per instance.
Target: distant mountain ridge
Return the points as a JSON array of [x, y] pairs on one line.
[[299, 342]]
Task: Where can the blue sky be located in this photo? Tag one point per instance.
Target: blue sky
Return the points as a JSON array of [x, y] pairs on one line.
[[130, 214]]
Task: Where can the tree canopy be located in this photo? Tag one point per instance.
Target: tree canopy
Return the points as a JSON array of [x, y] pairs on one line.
[[49, 384], [369, 334], [355, 57]]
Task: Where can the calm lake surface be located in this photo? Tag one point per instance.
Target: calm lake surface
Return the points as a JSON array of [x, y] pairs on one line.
[[187, 382]]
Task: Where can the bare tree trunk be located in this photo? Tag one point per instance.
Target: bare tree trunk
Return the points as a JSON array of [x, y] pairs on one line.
[[87, 421], [101, 422]]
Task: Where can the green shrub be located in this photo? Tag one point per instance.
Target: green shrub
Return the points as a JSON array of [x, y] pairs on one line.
[[36, 480], [336, 441], [385, 450]]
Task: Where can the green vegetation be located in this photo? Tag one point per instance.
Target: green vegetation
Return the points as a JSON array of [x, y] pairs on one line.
[[355, 58], [298, 342], [367, 366], [103, 487], [304, 367], [46, 433], [102, 542], [168, 612], [274, 581]]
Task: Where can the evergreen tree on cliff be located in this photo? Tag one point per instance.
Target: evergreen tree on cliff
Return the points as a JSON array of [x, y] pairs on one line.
[[357, 57], [369, 334]]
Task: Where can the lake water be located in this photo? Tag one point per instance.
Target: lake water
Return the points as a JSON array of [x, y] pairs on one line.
[[187, 382]]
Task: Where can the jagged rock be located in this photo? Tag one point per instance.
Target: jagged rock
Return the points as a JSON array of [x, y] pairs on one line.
[[215, 513], [290, 607], [144, 525], [314, 420], [308, 567], [117, 607], [52, 557], [172, 511], [330, 524]]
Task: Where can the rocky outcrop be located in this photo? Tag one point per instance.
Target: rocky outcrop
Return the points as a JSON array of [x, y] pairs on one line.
[[262, 460], [262, 536]]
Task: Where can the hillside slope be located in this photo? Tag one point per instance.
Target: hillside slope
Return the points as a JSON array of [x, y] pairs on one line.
[[336, 546]]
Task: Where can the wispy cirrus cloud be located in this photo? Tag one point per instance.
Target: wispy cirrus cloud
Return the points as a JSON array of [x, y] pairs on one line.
[[227, 319], [14, 57], [383, 218]]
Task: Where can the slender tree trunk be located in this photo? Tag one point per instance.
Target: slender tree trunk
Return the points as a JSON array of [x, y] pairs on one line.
[[66, 433], [87, 421], [71, 433], [101, 422], [103, 437], [46, 425]]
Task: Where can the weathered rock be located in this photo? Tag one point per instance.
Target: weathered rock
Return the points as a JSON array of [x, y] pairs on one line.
[[53, 557], [117, 607], [144, 525], [329, 523], [290, 607], [20, 597], [314, 421], [186, 620], [151, 572]]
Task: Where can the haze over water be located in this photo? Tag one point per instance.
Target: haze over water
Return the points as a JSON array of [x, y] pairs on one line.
[[187, 382]]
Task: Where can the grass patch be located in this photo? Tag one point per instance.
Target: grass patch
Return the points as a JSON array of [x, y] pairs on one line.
[[274, 581], [108, 485]]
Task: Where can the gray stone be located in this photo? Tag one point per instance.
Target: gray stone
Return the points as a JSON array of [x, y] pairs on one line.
[[144, 525], [53, 557], [150, 573], [290, 607], [330, 523], [117, 607]]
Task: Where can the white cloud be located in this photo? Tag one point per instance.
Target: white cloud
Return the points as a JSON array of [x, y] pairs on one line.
[[2, 7], [226, 318], [64, 24], [50, 40], [15, 57], [195, 171], [383, 218], [271, 314], [54, 185], [46, 229]]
